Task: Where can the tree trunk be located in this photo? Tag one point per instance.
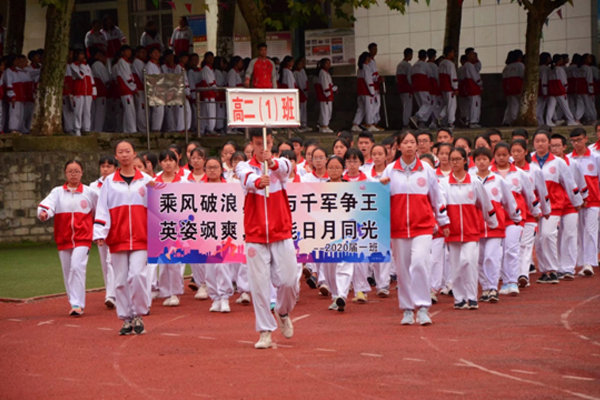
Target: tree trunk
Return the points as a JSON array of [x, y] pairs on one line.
[[253, 12], [528, 107], [453, 23], [15, 31], [47, 119], [225, 25]]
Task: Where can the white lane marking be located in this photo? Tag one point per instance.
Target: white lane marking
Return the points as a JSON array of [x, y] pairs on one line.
[[579, 378], [245, 342], [206, 338], [105, 329], [520, 371], [170, 334], [73, 326], [331, 350], [45, 322], [564, 318], [70, 379], [596, 355], [286, 346], [181, 316], [14, 320], [371, 355], [551, 349], [433, 314], [300, 317], [413, 359], [452, 392]]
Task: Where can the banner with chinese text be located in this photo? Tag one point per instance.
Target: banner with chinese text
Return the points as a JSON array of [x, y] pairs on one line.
[[332, 222]]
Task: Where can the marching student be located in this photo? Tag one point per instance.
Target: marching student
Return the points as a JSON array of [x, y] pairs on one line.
[[228, 150], [449, 86], [513, 75], [157, 114], [286, 76], [121, 224], [403, 83], [72, 206], [444, 167], [16, 93], [108, 165], [298, 148], [182, 38], [208, 97], [290, 155], [234, 79], [84, 89], [127, 89], [466, 201], [365, 143], [325, 91], [434, 88], [416, 204], [102, 83], [473, 86], [561, 189], [390, 145], [545, 61], [441, 275], [218, 279], [366, 95], [377, 80], [586, 89], [482, 140], [587, 242], [137, 67], [150, 162], [302, 85], [340, 147], [557, 93], [421, 90], [115, 38], [379, 157], [151, 38], [269, 246]]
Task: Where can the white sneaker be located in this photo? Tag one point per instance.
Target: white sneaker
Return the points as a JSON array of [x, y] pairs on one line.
[[505, 289], [423, 316], [285, 324], [216, 306], [356, 128], [474, 126], [373, 128], [225, 306], [201, 294], [513, 289], [109, 303], [167, 302], [409, 318], [155, 295], [326, 129], [243, 299], [587, 270], [264, 342], [174, 301], [383, 293]]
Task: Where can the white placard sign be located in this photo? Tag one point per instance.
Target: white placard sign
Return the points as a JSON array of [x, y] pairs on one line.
[[257, 108]]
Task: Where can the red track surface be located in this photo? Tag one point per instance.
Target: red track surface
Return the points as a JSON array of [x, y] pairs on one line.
[[545, 343]]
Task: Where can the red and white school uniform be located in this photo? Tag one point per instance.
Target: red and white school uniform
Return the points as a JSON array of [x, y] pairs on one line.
[[585, 91], [372, 66], [473, 87], [434, 89], [137, 68], [95, 39], [466, 201], [157, 114], [557, 94], [73, 211], [588, 216], [421, 89], [102, 82], [122, 222], [67, 108], [115, 38], [17, 88], [221, 79], [403, 85], [542, 92], [440, 263], [366, 97], [325, 90], [302, 85], [208, 107], [512, 85], [270, 251], [416, 203], [181, 40], [262, 74], [127, 90], [561, 189], [448, 87], [105, 260], [508, 230], [151, 43], [84, 90]]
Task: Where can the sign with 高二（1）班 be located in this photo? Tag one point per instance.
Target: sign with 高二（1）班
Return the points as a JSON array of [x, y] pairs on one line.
[[331, 222], [257, 108]]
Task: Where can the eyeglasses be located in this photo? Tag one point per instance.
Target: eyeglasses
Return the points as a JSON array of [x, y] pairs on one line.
[[73, 172], [457, 160], [319, 159]]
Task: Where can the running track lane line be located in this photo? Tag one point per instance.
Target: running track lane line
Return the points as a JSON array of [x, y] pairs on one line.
[[564, 318], [300, 317]]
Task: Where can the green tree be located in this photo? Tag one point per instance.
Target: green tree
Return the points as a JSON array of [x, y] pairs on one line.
[[47, 118]]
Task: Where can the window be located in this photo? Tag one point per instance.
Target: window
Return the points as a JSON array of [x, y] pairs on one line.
[[142, 11]]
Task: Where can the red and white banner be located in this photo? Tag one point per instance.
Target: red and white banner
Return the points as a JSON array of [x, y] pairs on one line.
[[257, 108]]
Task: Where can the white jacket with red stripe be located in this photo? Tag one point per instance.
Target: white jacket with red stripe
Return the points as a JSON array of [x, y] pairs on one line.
[[266, 219], [504, 203], [589, 164], [413, 196], [466, 201], [522, 190], [73, 213], [560, 183], [121, 216]]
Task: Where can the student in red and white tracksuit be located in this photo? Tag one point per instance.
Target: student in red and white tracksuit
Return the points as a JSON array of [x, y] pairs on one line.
[[449, 86], [512, 85], [17, 85], [416, 204], [587, 238], [84, 90], [270, 251], [561, 188], [325, 91], [261, 72], [157, 114], [302, 85], [151, 38], [466, 202], [420, 88], [473, 87], [434, 85], [366, 92], [95, 39], [72, 206], [137, 68], [557, 93], [115, 38], [377, 80], [207, 106], [121, 224], [545, 61], [182, 38], [585, 88], [102, 83], [403, 84], [127, 90]]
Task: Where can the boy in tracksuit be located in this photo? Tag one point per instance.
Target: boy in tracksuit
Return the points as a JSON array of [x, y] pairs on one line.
[[270, 252]]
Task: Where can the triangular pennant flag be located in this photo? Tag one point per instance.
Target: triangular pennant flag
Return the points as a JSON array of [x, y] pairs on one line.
[[547, 21], [189, 7], [155, 3], [172, 4], [559, 12]]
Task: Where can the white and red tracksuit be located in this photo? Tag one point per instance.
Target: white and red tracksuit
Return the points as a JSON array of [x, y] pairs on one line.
[[137, 68], [557, 94], [508, 230], [302, 85], [18, 90], [365, 90], [157, 114], [542, 93], [434, 89], [122, 222], [102, 82], [270, 251], [587, 238], [466, 202], [372, 66], [403, 85], [221, 79], [95, 39], [115, 38], [421, 90], [561, 189], [127, 90], [595, 148], [208, 107], [512, 85], [182, 40], [67, 108], [585, 90], [448, 87], [84, 90], [324, 91], [262, 74], [73, 212], [151, 43], [440, 263], [416, 203], [473, 86], [105, 260]]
